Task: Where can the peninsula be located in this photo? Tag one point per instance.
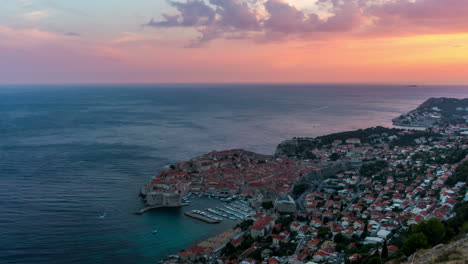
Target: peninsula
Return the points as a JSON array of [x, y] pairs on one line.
[[225, 174], [436, 111]]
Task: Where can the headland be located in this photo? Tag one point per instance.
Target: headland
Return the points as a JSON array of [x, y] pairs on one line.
[[435, 111]]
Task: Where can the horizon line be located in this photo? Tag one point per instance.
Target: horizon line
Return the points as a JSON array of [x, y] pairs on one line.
[[406, 84]]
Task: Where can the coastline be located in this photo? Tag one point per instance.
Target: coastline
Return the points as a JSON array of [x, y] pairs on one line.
[[212, 246], [209, 247], [419, 128]]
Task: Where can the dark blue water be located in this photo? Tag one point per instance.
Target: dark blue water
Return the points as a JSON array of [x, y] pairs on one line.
[[69, 154]]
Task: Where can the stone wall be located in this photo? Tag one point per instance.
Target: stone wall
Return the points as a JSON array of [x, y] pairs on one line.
[[329, 171]]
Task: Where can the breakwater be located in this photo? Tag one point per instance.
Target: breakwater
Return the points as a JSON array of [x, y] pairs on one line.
[[202, 218], [146, 209]]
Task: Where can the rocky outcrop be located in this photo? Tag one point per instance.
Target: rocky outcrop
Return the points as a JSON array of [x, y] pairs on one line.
[[435, 111], [454, 252], [295, 147]]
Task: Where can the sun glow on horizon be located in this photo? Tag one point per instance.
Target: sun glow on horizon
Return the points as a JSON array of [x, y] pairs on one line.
[[191, 41]]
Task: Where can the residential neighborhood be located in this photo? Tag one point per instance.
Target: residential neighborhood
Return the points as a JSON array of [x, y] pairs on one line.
[[340, 218]]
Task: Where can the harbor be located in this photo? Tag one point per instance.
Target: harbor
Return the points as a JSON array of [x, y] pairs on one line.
[[232, 209]]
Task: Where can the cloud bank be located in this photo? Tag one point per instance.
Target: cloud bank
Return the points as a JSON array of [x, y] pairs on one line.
[[269, 20]]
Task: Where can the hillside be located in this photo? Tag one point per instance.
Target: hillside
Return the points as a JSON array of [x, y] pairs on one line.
[[435, 111], [303, 148], [455, 252]]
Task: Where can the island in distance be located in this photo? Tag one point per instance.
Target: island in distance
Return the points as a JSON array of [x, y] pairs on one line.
[[435, 111]]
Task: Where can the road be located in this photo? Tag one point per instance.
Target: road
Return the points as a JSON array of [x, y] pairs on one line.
[[300, 201]]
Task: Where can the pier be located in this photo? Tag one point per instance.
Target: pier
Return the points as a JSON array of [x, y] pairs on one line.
[[146, 209], [202, 218]]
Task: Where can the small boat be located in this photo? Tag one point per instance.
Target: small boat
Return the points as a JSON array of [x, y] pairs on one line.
[[102, 216], [154, 232]]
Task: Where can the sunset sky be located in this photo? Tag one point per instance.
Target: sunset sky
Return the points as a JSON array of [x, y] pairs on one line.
[[133, 41]]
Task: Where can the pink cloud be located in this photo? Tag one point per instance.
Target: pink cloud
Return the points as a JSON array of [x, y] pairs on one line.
[[421, 16], [225, 18]]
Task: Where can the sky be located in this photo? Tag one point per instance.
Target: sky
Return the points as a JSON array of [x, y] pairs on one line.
[[180, 41]]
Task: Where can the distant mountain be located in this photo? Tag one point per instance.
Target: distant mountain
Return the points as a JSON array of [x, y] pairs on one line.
[[436, 111]]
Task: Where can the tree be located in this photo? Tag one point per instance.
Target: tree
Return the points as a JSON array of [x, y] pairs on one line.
[[267, 205], [433, 229], [384, 250], [300, 188], [461, 175], [310, 155], [373, 260], [229, 249], [244, 225], [414, 242], [340, 238], [365, 232], [334, 156], [324, 233]]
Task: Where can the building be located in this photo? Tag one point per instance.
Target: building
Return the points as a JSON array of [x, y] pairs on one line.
[[373, 240], [257, 230], [164, 199], [285, 204], [353, 141], [383, 233]]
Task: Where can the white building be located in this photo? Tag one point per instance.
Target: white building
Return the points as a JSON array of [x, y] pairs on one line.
[[285, 204]]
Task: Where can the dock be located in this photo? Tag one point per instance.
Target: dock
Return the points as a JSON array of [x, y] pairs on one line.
[[146, 209], [202, 218]]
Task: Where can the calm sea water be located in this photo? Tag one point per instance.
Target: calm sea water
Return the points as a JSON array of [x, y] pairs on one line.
[[69, 154]]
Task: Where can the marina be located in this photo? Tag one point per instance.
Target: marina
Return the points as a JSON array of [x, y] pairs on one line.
[[201, 217], [235, 210]]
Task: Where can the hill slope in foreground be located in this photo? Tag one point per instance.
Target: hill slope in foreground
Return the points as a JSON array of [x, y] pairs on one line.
[[455, 252], [436, 111]]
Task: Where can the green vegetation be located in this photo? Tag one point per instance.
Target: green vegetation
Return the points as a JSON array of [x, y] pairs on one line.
[[324, 233], [334, 156], [433, 232], [414, 242], [451, 156], [362, 134], [408, 139], [459, 223], [384, 254], [285, 221], [433, 229], [460, 175], [367, 170], [244, 225], [285, 249], [300, 189], [232, 252], [267, 205], [309, 155]]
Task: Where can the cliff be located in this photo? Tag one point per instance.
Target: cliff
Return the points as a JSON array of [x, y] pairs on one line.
[[436, 111]]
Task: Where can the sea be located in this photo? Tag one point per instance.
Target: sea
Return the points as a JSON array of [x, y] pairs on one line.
[[73, 157]]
